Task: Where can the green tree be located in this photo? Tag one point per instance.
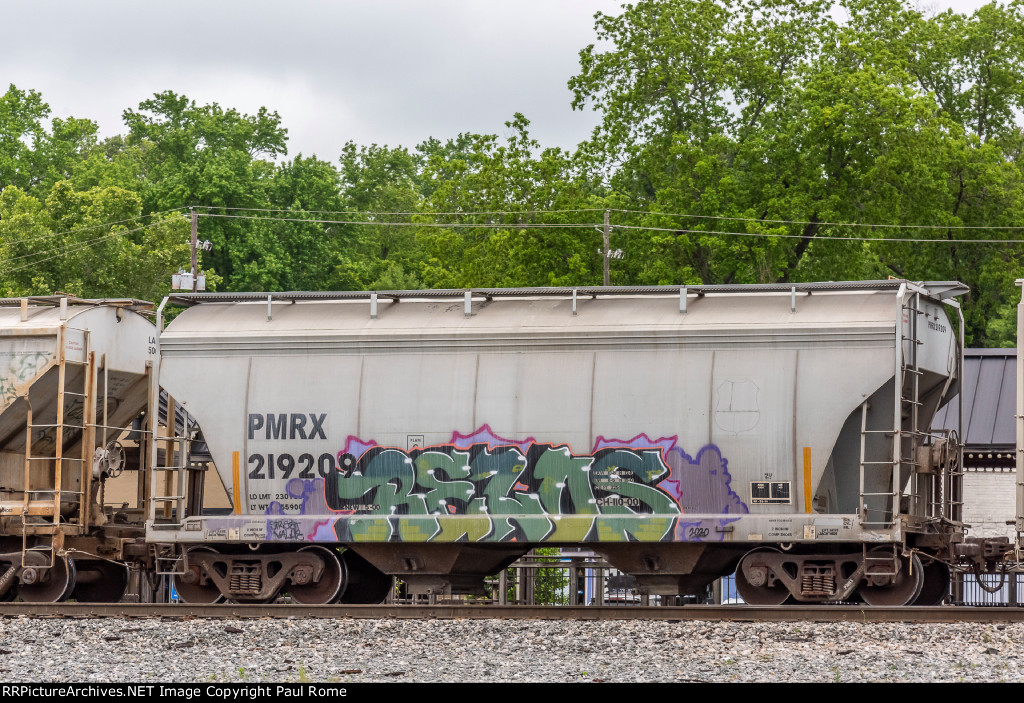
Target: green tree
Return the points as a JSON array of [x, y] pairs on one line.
[[550, 586], [304, 188], [22, 115], [521, 199], [763, 123], [90, 244], [217, 159], [376, 182]]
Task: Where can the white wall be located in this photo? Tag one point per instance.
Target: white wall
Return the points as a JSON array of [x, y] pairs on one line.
[[989, 502]]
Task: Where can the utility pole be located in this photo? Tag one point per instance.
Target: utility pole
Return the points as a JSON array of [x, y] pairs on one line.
[[607, 247], [195, 247]]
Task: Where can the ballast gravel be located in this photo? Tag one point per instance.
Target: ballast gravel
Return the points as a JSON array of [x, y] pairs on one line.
[[348, 650]]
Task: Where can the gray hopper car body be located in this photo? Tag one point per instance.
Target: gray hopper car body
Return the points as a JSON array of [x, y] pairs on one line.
[[679, 432]]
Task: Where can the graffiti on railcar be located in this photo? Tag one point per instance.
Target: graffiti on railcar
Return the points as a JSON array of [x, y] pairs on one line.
[[481, 487], [18, 368], [699, 485], [487, 488], [305, 497]]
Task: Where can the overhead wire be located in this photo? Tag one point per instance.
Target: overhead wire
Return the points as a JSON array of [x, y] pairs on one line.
[[814, 222], [588, 225], [473, 213], [525, 225], [528, 225], [907, 240], [75, 246], [100, 225], [381, 212]]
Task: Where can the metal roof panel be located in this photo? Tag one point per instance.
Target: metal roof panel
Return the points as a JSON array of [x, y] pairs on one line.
[[990, 377]]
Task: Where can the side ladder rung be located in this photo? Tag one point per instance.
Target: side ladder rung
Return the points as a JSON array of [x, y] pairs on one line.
[[116, 427]]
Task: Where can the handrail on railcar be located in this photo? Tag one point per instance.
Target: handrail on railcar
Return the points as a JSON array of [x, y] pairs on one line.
[[941, 290]]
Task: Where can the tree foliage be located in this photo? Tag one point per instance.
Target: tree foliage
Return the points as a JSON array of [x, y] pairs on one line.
[[740, 141], [206, 156], [545, 586], [765, 123], [88, 244]]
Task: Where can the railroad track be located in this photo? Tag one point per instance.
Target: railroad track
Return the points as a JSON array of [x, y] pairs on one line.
[[689, 612]]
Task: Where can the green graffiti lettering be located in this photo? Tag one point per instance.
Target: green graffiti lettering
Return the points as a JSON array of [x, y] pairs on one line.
[[480, 493], [630, 473], [563, 475], [498, 471], [432, 468], [386, 484]]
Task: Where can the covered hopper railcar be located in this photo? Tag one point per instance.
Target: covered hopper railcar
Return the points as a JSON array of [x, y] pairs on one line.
[[778, 430], [74, 375]]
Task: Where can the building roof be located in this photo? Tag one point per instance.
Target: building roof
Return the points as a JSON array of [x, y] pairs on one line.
[[990, 382]]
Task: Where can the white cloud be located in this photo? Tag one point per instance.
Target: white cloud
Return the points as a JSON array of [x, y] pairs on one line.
[[390, 71], [385, 71]]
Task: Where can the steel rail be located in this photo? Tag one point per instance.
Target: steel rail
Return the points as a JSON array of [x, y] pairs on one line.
[[939, 614]]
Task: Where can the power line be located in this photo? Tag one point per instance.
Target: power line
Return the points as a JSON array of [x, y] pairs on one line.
[[710, 233], [527, 225], [76, 246], [907, 240], [97, 226], [823, 224], [373, 212], [464, 213]]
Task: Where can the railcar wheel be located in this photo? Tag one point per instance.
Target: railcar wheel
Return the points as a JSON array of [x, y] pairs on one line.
[[52, 585], [198, 592], [367, 585], [752, 580], [902, 590], [99, 581], [332, 580], [936, 584]]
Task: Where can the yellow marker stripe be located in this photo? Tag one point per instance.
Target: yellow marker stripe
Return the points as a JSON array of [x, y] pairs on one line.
[[237, 495], [807, 479]]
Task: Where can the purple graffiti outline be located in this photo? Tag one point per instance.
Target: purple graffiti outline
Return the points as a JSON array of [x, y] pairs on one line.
[[311, 492], [732, 499], [492, 440], [353, 445], [673, 483], [641, 441], [724, 463]]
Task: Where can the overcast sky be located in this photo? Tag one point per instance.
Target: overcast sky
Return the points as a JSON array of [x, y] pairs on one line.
[[371, 71]]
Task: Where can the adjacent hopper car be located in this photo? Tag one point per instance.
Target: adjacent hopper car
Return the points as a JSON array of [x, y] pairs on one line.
[[683, 433], [73, 375]]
